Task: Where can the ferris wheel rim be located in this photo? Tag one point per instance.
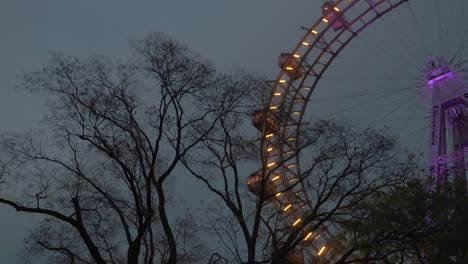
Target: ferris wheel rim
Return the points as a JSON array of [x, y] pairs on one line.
[[289, 84]]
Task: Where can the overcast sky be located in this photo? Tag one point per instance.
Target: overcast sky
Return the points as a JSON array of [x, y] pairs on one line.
[[246, 34]]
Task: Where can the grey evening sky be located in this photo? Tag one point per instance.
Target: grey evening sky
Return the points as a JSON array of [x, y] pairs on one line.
[[247, 34]]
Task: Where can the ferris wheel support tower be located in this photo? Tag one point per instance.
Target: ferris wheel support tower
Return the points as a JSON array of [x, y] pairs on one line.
[[448, 153]]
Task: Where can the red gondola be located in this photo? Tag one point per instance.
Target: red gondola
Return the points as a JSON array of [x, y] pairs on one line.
[[254, 183], [290, 65], [262, 115], [294, 257]]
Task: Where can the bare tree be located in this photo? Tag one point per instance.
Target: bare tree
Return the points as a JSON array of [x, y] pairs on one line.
[[343, 168], [116, 133], [99, 167]]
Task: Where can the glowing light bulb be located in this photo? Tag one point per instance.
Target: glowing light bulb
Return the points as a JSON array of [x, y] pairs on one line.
[[321, 251], [297, 222]]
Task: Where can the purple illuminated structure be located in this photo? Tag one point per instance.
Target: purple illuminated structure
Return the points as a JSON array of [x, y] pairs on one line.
[[448, 153], [332, 15]]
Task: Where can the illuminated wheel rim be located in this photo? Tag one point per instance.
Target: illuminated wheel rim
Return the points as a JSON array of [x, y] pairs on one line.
[[314, 53]]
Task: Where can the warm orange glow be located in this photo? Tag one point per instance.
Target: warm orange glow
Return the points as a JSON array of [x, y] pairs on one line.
[[325, 20], [289, 68], [269, 135], [275, 178], [273, 107], [270, 149], [297, 56], [282, 81], [293, 179], [314, 32], [308, 235], [291, 165], [271, 164], [305, 43], [277, 94], [336, 9], [321, 251], [287, 207], [317, 237], [278, 194], [297, 222], [296, 112]]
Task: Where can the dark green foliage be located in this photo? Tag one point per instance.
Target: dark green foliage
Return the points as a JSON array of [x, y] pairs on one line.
[[409, 225]]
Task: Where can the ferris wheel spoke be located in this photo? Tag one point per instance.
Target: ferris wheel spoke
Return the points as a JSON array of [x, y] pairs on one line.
[[439, 26], [360, 95], [397, 107], [377, 100], [461, 47], [418, 27]]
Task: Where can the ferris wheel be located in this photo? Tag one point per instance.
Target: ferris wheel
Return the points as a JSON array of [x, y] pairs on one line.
[[441, 93]]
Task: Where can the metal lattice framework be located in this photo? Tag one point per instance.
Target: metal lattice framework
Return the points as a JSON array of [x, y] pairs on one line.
[[449, 108], [312, 56]]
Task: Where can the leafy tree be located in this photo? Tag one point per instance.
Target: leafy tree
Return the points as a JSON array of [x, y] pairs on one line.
[[410, 225], [449, 207]]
